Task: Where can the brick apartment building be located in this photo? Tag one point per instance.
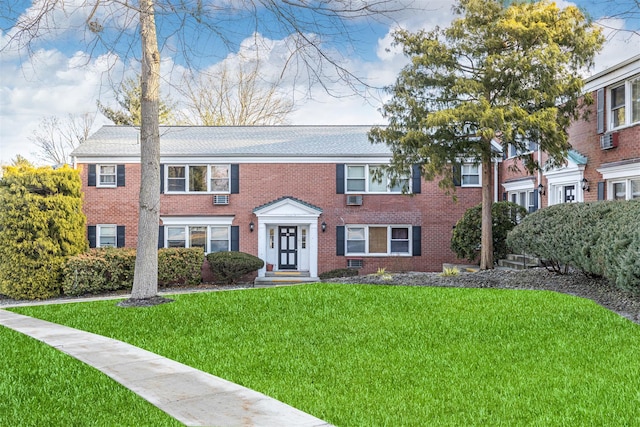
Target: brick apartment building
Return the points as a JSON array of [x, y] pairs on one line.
[[302, 198], [604, 163]]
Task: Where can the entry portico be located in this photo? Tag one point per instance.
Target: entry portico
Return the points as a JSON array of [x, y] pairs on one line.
[[288, 236]]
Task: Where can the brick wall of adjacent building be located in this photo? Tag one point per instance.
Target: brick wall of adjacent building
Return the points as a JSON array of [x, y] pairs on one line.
[[432, 209]]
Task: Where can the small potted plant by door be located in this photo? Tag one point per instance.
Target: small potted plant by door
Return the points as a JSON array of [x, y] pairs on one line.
[[269, 267]]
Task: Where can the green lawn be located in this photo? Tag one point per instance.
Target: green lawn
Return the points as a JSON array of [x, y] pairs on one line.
[[377, 355]]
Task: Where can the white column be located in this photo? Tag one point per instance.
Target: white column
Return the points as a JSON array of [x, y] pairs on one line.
[[313, 248], [262, 246]]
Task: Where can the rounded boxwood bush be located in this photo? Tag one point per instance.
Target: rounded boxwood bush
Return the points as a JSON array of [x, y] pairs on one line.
[[467, 234], [229, 267]]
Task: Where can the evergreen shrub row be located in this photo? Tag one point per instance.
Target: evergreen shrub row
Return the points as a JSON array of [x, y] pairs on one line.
[[111, 269], [598, 238]]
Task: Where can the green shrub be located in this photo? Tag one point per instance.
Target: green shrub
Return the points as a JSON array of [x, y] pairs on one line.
[[598, 238], [178, 266], [467, 234], [338, 272], [41, 225], [228, 267], [111, 269]]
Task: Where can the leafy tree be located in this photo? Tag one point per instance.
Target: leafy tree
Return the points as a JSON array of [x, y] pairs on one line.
[[467, 236], [507, 72], [57, 137], [128, 98], [41, 224]]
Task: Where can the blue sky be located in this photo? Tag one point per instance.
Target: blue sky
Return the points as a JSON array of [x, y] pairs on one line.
[[67, 75]]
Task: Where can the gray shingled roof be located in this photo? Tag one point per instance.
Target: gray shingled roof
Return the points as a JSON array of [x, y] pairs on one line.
[[237, 141]]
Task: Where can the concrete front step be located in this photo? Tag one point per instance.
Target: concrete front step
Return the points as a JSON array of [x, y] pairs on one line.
[[285, 278]]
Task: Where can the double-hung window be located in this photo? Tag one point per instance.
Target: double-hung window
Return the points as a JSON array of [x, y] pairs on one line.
[[107, 176], [106, 236], [378, 240], [373, 179], [470, 175], [624, 107], [198, 178]]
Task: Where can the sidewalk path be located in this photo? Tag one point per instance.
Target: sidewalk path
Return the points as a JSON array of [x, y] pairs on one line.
[[193, 397]]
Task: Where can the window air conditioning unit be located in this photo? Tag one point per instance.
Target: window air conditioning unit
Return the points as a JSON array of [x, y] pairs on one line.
[[609, 140], [354, 200], [221, 199]]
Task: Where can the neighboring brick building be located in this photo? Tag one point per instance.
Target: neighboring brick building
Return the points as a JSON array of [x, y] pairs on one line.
[[302, 198], [604, 163]]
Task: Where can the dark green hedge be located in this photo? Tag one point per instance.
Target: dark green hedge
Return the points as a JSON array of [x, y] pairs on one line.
[[338, 272], [229, 267], [467, 234], [598, 238], [111, 269]]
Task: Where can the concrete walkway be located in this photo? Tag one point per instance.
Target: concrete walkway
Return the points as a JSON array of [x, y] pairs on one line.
[[193, 397]]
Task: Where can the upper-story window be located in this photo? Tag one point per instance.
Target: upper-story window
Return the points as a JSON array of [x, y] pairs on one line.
[[107, 175], [198, 179], [529, 147], [372, 179], [624, 107]]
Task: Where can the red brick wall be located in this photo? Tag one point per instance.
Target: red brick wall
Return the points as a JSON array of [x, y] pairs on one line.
[[432, 209]]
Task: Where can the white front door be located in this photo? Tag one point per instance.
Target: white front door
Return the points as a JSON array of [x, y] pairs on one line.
[[303, 248]]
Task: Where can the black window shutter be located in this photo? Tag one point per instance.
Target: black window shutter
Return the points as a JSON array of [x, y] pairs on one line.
[[161, 237], [235, 238], [504, 197], [535, 202], [235, 179], [457, 175], [601, 187], [416, 180], [161, 179], [120, 175], [340, 178], [600, 110], [120, 242], [416, 240], [340, 240], [91, 180], [91, 234]]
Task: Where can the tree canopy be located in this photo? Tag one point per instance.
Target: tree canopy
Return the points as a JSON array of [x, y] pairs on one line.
[[507, 72]]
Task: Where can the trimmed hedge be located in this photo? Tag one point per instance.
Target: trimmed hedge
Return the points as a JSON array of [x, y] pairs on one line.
[[598, 238], [111, 269], [338, 272], [467, 234], [229, 267]]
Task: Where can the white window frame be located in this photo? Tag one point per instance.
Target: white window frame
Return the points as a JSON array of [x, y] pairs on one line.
[[628, 190], [390, 239], [626, 173], [513, 151], [199, 221], [478, 173], [209, 177], [100, 175], [100, 228], [186, 230], [628, 104], [368, 177]]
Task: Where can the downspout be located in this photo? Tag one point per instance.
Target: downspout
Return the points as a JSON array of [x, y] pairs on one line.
[[495, 181]]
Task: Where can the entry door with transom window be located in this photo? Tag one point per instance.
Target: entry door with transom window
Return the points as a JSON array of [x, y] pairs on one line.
[[288, 248]]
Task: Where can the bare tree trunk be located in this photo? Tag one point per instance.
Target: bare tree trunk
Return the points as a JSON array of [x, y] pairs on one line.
[[145, 280], [486, 249]]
